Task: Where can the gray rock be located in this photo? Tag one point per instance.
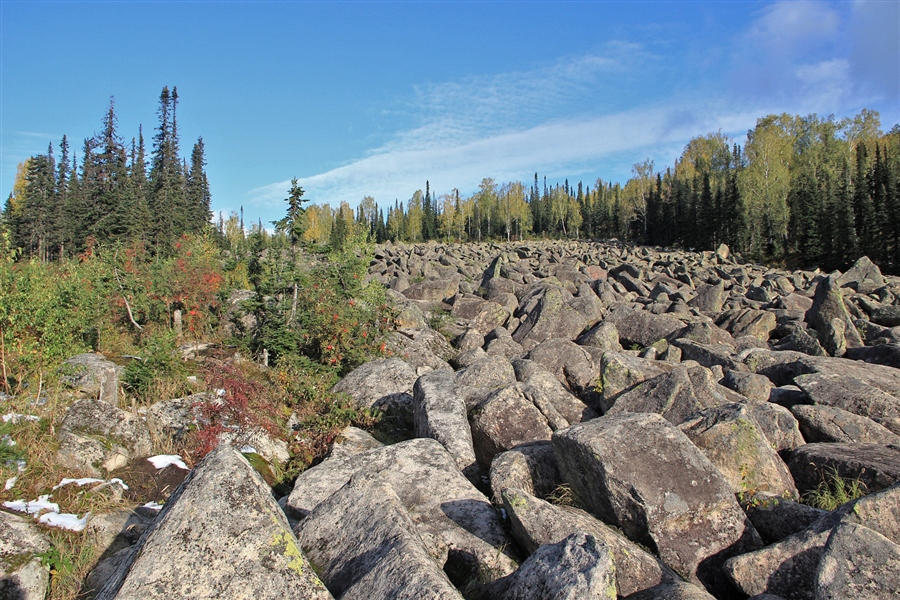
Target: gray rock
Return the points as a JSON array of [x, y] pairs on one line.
[[433, 290], [572, 364], [864, 276], [92, 376], [604, 336], [505, 419], [641, 327], [832, 424], [552, 317], [828, 305], [710, 297], [676, 590], [535, 522], [472, 339], [788, 568], [481, 315], [748, 321], [707, 355], [96, 437], [876, 466], [489, 372], [221, 534], [575, 568], [353, 440], [545, 388], [778, 425], [671, 499], [505, 347], [756, 388], [529, 467], [775, 518], [174, 418], [675, 395], [440, 413], [424, 349], [22, 577], [858, 563], [620, 372], [730, 437], [844, 391], [456, 521], [365, 546], [467, 358], [385, 384]]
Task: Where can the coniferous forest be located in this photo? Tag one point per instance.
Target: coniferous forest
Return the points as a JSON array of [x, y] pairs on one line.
[[804, 191]]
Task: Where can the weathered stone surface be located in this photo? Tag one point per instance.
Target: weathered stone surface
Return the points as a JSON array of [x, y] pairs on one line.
[[489, 372], [676, 395], [365, 546], [505, 419], [788, 567], [22, 577], [832, 424], [504, 346], [92, 376], [604, 336], [237, 320], [456, 521], [748, 321], [620, 372], [424, 349], [730, 437], [353, 440], [174, 418], [385, 384], [775, 518], [575, 568], [707, 355], [433, 290], [828, 305], [440, 413], [572, 364], [96, 437], [710, 297], [472, 339], [536, 522], [858, 563], [676, 590], [545, 389], [874, 465], [864, 276], [641, 327], [672, 499], [221, 534], [529, 467], [755, 388], [552, 317], [778, 425], [482, 315], [854, 395]]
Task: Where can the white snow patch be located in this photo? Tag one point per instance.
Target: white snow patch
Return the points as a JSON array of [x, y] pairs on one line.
[[16, 417], [152, 506], [248, 450], [161, 461], [64, 520], [11, 482], [33, 507], [80, 482]]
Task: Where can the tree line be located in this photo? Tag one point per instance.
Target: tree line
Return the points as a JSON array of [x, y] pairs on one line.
[[60, 207], [802, 191]]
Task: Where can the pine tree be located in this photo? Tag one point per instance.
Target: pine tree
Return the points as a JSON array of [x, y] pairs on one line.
[[198, 196], [166, 198]]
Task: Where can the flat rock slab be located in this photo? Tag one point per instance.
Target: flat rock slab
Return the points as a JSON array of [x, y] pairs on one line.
[[858, 563], [834, 425], [851, 394], [366, 547], [439, 412], [385, 384], [220, 535], [456, 521], [876, 466], [536, 522], [642, 327], [637, 471]]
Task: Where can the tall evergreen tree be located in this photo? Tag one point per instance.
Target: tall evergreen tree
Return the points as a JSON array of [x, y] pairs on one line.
[[198, 196]]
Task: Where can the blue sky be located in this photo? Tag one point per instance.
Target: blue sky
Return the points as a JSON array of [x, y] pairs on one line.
[[373, 98]]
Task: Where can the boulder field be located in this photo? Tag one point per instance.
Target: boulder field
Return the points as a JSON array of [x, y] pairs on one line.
[[589, 420]]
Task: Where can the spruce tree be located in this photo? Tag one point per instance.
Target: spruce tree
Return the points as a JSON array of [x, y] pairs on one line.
[[198, 196]]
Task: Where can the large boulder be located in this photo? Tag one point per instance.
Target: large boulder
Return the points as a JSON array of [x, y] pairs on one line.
[[832, 424], [620, 372], [506, 418], [638, 472], [854, 395], [552, 317], [577, 567], [456, 521], [730, 437], [433, 290], [366, 547], [440, 413], [858, 563], [96, 437], [535, 522], [529, 467], [220, 535], [572, 364], [788, 568], [829, 317], [876, 466], [641, 327], [385, 384], [92, 376], [22, 576]]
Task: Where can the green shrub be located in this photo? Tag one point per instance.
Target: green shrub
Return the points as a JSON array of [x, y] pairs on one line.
[[834, 490]]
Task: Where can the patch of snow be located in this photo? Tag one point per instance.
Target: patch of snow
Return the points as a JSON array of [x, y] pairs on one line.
[[33, 507], [64, 520], [220, 392], [152, 506], [81, 482], [11, 482], [248, 450], [16, 417], [162, 461]]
